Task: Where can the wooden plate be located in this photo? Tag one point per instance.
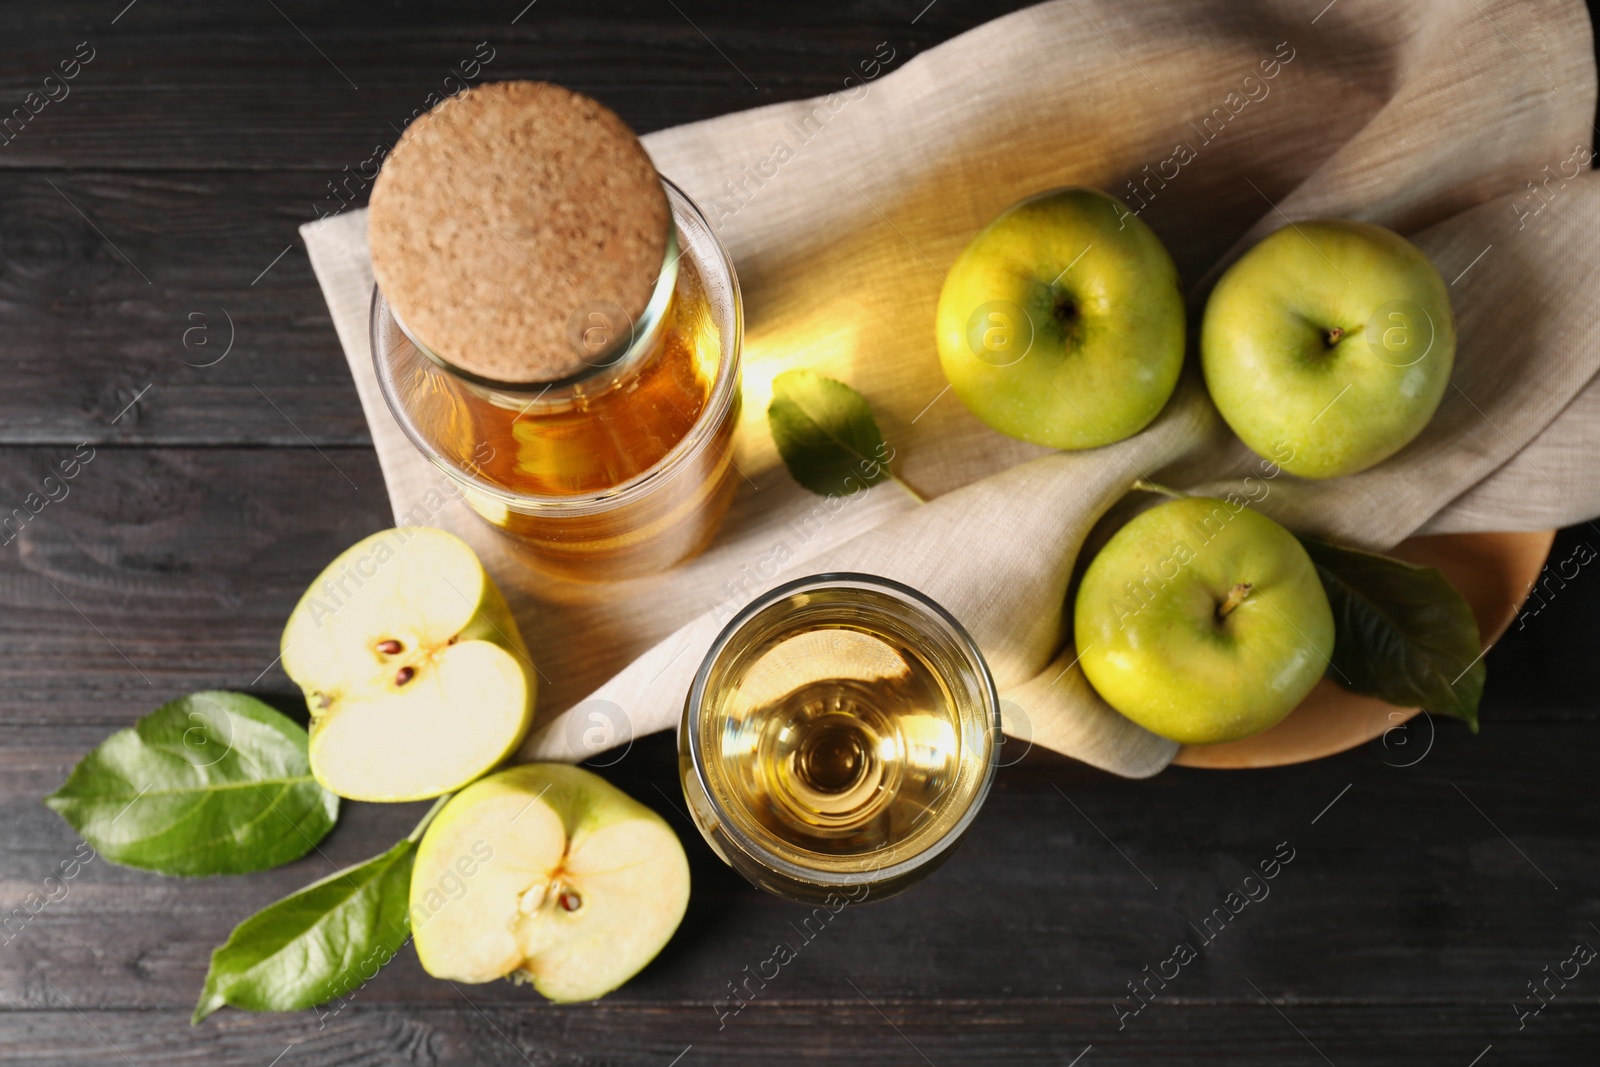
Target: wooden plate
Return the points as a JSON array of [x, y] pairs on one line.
[[1494, 571]]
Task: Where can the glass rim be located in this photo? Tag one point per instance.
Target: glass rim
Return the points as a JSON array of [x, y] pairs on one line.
[[724, 390], [906, 595]]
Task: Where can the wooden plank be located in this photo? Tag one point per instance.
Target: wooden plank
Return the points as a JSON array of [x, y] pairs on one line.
[[166, 308], [865, 1028], [174, 86], [1534, 668], [163, 571], [1398, 886]]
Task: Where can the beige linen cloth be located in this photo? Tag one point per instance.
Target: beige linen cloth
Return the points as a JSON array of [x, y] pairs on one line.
[[1464, 124]]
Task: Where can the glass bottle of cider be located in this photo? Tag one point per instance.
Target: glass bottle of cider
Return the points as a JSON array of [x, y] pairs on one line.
[[558, 329]]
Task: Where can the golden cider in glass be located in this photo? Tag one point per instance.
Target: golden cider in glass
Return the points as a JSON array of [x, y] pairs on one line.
[[841, 732]]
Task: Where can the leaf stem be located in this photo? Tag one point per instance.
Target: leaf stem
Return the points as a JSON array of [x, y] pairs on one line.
[[1156, 487], [912, 493], [416, 834]]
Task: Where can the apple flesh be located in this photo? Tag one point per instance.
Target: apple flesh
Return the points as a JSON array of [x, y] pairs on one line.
[[1062, 323], [1328, 346], [1202, 621], [548, 874], [415, 673]]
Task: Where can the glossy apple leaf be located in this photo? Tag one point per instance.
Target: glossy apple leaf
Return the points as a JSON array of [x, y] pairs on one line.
[[315, 945], [826, 434], [212, 783], [1402, 633]]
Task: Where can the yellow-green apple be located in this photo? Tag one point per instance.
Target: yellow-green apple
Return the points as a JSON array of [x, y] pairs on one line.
[[1202, 621], [1062, 322], [417, 678], [1330, 343], [548, 874]]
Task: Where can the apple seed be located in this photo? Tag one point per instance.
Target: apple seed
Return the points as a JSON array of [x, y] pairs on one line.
[[404, 675], [390, 647], [531, 898], [569, 900]]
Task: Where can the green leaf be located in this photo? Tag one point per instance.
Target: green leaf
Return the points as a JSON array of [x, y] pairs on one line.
[[1402, 633], [826, 434], [212, 783], [317, 944]]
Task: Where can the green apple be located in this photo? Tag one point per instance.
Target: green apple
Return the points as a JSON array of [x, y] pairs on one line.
[[1203, 621], [413, 668], [1062, 322], [1328, 346], [548, 874]]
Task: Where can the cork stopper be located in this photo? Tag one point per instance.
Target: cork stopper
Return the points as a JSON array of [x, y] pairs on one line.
[[508, 221]]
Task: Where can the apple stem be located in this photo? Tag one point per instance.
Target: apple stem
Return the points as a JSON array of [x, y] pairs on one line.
[[1335, 335], [416, 834], [1236, 597], [1155, 487]]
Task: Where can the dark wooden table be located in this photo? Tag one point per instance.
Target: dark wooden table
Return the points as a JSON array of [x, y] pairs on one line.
[[160, 200]]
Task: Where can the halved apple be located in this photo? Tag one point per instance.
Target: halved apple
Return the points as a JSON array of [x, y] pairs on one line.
[[416, 675], [548, 874]]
